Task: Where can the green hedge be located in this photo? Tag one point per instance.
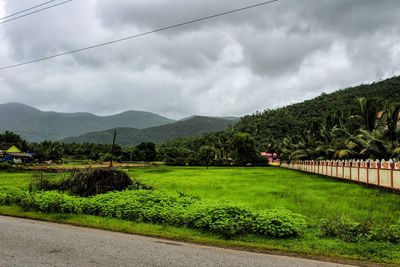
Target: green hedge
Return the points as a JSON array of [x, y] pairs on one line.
[[227, 219]]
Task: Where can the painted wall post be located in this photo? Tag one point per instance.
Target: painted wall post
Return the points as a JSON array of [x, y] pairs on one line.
[[391, 165], [378, 165]]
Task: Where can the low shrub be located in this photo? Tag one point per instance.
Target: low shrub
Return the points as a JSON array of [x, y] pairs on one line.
[[42, 182], [140, 205], [231, 220], [390, 233], [226, 219], [48, 202], [138, 185], [6, 166], [394, 233], [351, 231], [12, 196], [344, 228], [279, 224], [91, 182]]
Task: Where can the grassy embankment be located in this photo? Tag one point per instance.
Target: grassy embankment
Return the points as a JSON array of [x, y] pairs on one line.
[[314, 196]]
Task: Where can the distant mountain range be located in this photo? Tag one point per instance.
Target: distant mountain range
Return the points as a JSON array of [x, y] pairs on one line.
[[195, 125], [36, 125]]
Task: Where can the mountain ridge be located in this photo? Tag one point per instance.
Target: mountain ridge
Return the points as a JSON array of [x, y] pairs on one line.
[[36, 125], [194, 125]]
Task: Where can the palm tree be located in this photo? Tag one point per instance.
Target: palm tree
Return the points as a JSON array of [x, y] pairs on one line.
[[390, 118], [372, 145], [368, 112]]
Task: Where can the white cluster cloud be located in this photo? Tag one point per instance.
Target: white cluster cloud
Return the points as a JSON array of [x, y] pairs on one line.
[[262, 58]]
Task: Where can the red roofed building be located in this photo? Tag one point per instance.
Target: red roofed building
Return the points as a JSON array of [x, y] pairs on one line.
[[272, 158]]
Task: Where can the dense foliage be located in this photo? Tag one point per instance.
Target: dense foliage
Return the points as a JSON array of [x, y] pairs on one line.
[[96, 152], [88, 182], [358, 122], [226, 219], [131, 137], [352, 231], [293, 119], [220, 149], [12, 138], [372, 132], [343, 124]]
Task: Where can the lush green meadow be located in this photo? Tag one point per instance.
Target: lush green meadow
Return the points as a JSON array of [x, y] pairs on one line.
[[315, 197], [312, 195]]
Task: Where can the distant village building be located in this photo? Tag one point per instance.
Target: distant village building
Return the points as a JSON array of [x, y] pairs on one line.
[[10, 152], [272, 158]]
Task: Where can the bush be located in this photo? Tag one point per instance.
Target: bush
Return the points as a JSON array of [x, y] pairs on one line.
[[279, 224], [41, 182], [95, 181], [394, 233], [6, 166], [48, 202], [226, 219], [389, 234], [231, 220], [138, 185], [351, 231], [12, 196], [140, 205], [89, 182], [344, 229]]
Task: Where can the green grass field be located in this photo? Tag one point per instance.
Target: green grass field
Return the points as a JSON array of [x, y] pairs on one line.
[[264, 188], [314, 196]]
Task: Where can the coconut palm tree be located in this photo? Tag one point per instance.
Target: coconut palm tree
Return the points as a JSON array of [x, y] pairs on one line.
[[390, 119], [369, 109]]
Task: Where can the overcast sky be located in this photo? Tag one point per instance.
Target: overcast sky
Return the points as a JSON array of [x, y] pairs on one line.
[[262, 58]]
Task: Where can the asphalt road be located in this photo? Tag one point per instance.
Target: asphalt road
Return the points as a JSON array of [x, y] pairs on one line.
[[34, 243]]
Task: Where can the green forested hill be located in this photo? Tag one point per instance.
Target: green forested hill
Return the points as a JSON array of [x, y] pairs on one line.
[[268, 130], [279, 123], [35, 125], [196, 125]]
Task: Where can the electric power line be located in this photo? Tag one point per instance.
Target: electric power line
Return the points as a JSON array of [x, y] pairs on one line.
[[36, 11], [23, 11], [137, 35]]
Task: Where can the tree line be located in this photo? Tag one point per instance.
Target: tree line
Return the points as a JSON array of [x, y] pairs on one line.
[[223, 148], [373, 132], [354, 123]]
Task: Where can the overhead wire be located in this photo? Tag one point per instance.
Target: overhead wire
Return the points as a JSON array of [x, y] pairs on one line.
[[137, 35], [23, 11], [34, 12]]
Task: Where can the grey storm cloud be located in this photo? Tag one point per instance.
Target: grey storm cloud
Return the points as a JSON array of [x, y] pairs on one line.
[[261, 58]]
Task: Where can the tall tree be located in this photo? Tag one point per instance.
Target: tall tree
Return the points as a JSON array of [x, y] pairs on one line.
[[245, 151], [390, 118], [368, 110]]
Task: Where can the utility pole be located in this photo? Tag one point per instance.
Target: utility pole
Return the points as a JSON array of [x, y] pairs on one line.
[[112, 149]]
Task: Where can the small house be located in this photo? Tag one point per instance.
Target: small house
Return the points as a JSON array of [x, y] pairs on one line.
[[11, 152], [272, 158]]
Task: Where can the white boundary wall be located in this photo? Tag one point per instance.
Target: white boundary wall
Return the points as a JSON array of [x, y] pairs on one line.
[[380, 173]]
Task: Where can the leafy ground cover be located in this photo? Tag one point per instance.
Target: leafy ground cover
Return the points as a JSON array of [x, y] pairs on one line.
[[227, 219], [345, 220]]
